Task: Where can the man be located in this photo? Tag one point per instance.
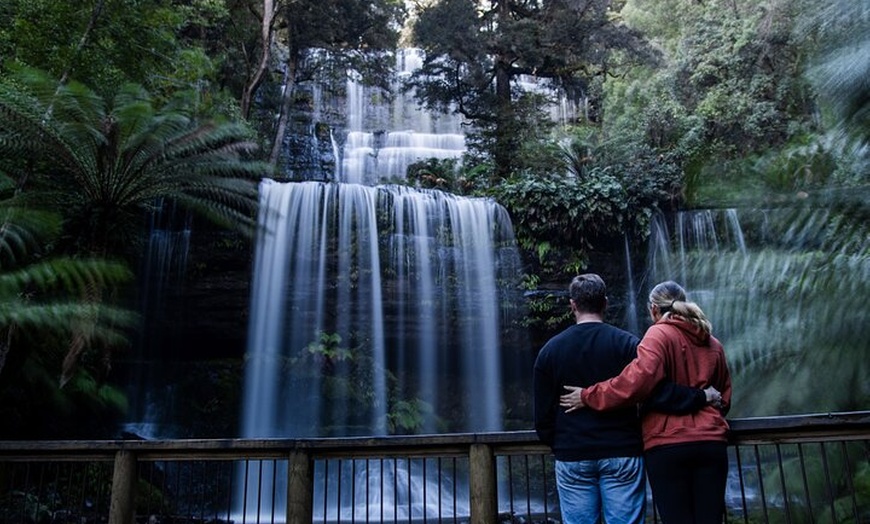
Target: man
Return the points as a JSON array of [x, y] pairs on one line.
[[599, 464]]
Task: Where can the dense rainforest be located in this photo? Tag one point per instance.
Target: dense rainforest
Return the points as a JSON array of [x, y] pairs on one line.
[[114, 112]]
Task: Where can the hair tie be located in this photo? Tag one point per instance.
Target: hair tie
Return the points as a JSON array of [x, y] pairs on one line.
[[672, 304]]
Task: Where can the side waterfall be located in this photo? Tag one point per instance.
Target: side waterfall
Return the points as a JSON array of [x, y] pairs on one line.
[[785, 289]]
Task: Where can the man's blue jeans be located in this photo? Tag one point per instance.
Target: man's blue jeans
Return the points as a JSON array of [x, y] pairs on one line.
[[614, 487]]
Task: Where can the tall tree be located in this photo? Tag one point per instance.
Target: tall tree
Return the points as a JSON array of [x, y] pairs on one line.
[[267, 30], [346, 34], [477, 53]]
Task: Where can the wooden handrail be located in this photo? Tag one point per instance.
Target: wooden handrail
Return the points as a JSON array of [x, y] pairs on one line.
[[452, 444], [479, 448]]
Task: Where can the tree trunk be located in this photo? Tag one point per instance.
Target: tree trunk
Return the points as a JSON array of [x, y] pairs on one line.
[[504, 135], [95, 15], [286, 105], [266, 31], [504, 111]]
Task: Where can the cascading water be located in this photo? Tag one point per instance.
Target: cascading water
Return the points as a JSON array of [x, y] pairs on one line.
[[385, 138], [378, 309], [370, 303], [358, 281], [631, 316]]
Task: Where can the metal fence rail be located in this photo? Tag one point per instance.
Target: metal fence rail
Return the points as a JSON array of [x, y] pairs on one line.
[[810, 468]]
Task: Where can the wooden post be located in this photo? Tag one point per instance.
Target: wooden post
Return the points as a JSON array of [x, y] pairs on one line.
[[484, 492], [122, 506], [300, 488]]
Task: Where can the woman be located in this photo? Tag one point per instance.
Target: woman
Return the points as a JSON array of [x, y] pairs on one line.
[[686, 454]]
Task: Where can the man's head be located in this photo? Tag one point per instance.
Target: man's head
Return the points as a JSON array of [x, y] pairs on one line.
[[588, 294]]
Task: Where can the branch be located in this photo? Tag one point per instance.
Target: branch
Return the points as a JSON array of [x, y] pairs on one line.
[[95, 15]]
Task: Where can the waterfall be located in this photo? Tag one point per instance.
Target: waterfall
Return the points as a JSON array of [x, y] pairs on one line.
[[352, 282], [370, 304], [631, 317], [375, 308], [385, 137], [164, 265]]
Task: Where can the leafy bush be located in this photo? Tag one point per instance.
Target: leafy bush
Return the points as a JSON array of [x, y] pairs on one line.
[[444, 174], [596, 210]]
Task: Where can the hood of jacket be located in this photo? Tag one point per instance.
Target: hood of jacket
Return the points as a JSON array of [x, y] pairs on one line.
[[693, 332]]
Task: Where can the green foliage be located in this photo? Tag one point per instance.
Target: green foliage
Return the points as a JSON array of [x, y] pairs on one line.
[[328, 347], [105, 162], [475, 55], [732, 89], [406, 417], [841, 68], [41, 292], [33, 406], [357, 35], [792, 309], [561, 218], [803, 165], [564, 211], [93, 41], [445, 175], [733, 73], [546, 311], [814, 479]]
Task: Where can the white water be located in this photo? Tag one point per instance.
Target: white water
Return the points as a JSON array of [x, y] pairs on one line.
[[385, 137], [402, 283], [324, 255], [376, 309]]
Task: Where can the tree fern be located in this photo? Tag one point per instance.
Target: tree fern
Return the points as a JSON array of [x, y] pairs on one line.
[[792, 314], [104, 163], [43, 293]]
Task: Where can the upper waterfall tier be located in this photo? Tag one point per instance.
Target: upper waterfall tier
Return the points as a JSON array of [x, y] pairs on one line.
[[387, 134]]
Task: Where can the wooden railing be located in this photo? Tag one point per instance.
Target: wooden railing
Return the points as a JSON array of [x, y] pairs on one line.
[[808, 468]]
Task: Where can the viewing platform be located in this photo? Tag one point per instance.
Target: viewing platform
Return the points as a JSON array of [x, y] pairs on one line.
[[803, 468]]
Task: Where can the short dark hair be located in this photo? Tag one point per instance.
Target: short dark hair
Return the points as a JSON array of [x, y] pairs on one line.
[[589, 293]]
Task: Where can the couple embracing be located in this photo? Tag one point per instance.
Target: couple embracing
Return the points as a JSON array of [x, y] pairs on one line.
[[614, 408]]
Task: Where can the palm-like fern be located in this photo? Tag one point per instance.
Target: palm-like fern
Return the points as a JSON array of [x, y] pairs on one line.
[[105, 163], [792, 310], [41, 293], [842, 69]]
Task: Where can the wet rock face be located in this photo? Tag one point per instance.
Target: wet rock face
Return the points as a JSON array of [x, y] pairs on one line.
[[206, 316], [219, 294]]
